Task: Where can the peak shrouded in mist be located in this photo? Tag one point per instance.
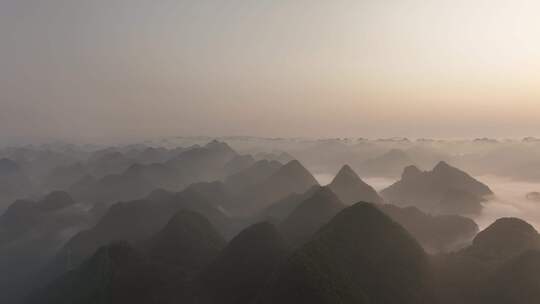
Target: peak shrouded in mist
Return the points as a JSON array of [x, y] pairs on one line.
[[344, 263], [348, 186], [445, 189], [225, 221], [311, 215], [257, 152]]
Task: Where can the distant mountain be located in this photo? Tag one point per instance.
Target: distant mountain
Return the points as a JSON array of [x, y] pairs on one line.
[[14, 184], [389, 164], [116, 273], [244, 266], [36, 161], [310, 216], [282, 157], [279, 210], [148, 224], [61, 178], [288, 179], [238, 163], [215, 193], [505, 238], [205, 163], [360, 256], [152, 155], [492, 269], [439, 233], [254, 174], [138, 220], [427, 154], [19, 218], [200, 164], [292, 176], [455, 201], [350, 189], [445, 189], [55, 200], [129, 185], [107, 162], [31, 232], [33, 217], [162, 268], [188, 242]]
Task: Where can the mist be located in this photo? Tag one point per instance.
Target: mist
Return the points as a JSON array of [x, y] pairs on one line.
[[510, 198], [262, 152], [510, 201]]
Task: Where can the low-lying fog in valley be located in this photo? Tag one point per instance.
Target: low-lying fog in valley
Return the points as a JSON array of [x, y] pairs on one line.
[[510, 199], [378, 183], [269, 152], [251, 220]]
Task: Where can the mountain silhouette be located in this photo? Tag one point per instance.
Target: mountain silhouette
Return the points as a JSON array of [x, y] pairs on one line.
[[476, 273], [350, 189], [14, 183], [436, 233], [137, 220], [116, 273], [360, 256], [55, 200], [311, 215], [238, 163], [505, 238], [61, 178], [188, 241], [205, 163], [244, 266], [443, 189], [389, 164], [254, 174], [198, 164], [107, 162], [27, 216], [288, 179], [135, 182], [120, 273], [279, 210]]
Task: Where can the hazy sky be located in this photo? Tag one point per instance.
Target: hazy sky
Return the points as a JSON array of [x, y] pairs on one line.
[[134, 68]]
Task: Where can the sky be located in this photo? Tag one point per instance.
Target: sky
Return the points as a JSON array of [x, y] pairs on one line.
[[95, 69]]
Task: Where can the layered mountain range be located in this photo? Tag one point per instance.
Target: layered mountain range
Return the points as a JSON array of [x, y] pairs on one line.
[[360, 255], [445, 189], [206, 224]]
